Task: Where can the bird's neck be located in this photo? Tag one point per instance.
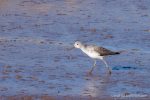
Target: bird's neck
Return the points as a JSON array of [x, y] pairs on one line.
[[83, 47]]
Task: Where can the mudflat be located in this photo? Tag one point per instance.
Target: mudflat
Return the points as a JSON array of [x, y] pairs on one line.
[[37, 61]]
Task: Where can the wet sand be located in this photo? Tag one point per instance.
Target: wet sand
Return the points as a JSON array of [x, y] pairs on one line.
[[37, 62]]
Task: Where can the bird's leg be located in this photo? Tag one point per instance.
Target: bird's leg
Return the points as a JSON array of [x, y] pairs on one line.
[[107, 66], [94, 65]]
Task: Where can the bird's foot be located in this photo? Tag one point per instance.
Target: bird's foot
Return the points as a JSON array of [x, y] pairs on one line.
[[89, 72], [110, 72]]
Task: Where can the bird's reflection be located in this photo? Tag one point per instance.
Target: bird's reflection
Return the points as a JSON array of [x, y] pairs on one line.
[[95, 85]]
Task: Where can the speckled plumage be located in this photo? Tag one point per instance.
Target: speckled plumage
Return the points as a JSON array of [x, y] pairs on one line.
[[100, 50], [95, 52]]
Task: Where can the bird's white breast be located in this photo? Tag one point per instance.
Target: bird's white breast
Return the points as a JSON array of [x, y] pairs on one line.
[[91, 53]]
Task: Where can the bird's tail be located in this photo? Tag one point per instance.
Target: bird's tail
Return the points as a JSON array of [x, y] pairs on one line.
[[116, 53], [122, 51], [119, 52]]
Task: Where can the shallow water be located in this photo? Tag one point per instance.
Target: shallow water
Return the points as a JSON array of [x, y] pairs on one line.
[[36, 55]]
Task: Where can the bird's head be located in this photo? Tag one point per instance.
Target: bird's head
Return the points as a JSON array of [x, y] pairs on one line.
[[77, 44]]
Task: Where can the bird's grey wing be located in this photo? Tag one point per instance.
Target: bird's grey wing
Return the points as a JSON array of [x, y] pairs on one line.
[[103, 51]]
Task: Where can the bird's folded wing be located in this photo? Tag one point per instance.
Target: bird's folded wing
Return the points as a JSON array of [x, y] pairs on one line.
[[103, 51]]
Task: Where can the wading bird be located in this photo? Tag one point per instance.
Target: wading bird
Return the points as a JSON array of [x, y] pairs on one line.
[[95, 52]]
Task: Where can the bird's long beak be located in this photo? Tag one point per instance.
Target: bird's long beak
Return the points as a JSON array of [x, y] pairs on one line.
[[70, 48]]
